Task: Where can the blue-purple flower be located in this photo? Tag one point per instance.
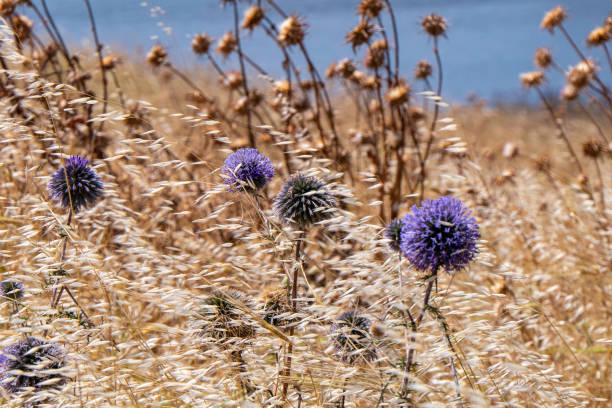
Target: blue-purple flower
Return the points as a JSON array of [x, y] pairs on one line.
[[31, 363], [304, 200], [76, 185], [247, 170], [440, 233], [393, 233]]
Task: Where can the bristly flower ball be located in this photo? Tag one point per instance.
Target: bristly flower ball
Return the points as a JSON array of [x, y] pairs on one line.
[[76, 185], [222, 320], [393, 233], [11, 290], [440, 234], [247, 170], [31, 363], [351, 338], [304, 200]]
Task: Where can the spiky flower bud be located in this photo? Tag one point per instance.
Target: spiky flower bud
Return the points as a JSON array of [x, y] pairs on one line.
[[393, 233], [275, 306], [398, 95], [201, 43], [22, 27], [532, 79], [370, 8], [360, 35], [423, 70], [232, 80], [31, 364], [351, 338], [291, 31], [553, 18], [304, 200], [7, 7], [157, 55], [76, 185], [434, 25], [11, 290], [109, 62], [598, 36], [580, 74], [345, 68], [227, 44], [569, 92], [542, 58], [247, 170], [252, 17], [593, 148], [440, 233], [221, 319], [375, 56]]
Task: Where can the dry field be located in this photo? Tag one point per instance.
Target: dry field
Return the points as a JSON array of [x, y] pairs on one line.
[[171, 291]]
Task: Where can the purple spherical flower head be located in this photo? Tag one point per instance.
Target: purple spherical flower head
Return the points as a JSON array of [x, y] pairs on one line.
[[247, 170], [440, 233], [30, 363], [76, 185]]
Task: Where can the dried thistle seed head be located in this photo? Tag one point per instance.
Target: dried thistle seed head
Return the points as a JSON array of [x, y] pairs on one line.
[[593, 148], [301, 104], [542, 58], [370, 8], [109, 62], [31, 364], [580, 74], [350, 336], [441, 233], [220, 318], [232, 80], [157, 55], [569, 92], [331, 71], [542, 164], [76, 185], [608, 23], [282, 87], [241, 106], [227, 44], [375, 56], [398, 95], [434, 25], [392, 233], [255, 97], [532, 79], [22, 26], [252, 17], [423, 70], [345, 68], [247, 170], [417, 113], [358, 77], [370, 83], [598, 36], [275, 305], [201, 43], [361, 34], [7, 7], [303, 201], [11, 290], [291, 31], [553, 18]]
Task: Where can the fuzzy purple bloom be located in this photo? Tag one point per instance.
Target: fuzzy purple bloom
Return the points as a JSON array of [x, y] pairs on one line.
[[76, 185], [247, 170], [393, 233], [440, 233], [304, 200], [30, 362], [11, 290]]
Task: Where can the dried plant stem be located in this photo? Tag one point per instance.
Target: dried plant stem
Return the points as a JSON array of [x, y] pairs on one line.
[[602, 187], [102, 71], [395, 39], [608, 57], [405, 311]]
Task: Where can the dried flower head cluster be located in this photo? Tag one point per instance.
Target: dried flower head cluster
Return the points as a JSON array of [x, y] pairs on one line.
[[351, 338], [599, 36], [360, 35], [76, 185], [31, 364], [201, 43], [247, 170], [532, 79], [553, 18], [291, 31], [398, 95], [542, 58], [440, 234], [376, 54], [423, 70], [580, 74], [593, 148], [303, 201], [157, 55], [252, 17], [370, 8], [227, 44], [434, 25]]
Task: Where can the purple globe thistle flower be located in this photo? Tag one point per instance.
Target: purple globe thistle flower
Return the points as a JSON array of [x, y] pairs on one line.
[[350, 337], [11, 290], [393, 234], [76, 185], [30, 362], [440, 233], [304, 200], [247, 170]]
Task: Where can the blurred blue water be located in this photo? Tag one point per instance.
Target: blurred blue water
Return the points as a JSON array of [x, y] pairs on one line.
[[489, 41]]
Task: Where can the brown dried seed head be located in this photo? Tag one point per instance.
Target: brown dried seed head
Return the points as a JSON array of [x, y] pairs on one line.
[[543, 58], [598, 36], [542, 164], [109, 62], [227, 44], [608, 23], [331, 72], [570, 92], [370, 8], [582, 180], [417, 113], [255, 97], [252, 17], [345, 67], [241, 106], [581, 73], [201, 43], [553, 18], [370, 83], [282, 87], [593, 148], [7, 7], [532, 79], [157, 55], [423, 70], [22, 27], [291, 31], [434, 25], [358, 77], [375, 56], [232, 80], [360, 35], [398, 95]]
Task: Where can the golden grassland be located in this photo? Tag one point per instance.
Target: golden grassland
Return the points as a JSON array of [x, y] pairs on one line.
[[527, 324]]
